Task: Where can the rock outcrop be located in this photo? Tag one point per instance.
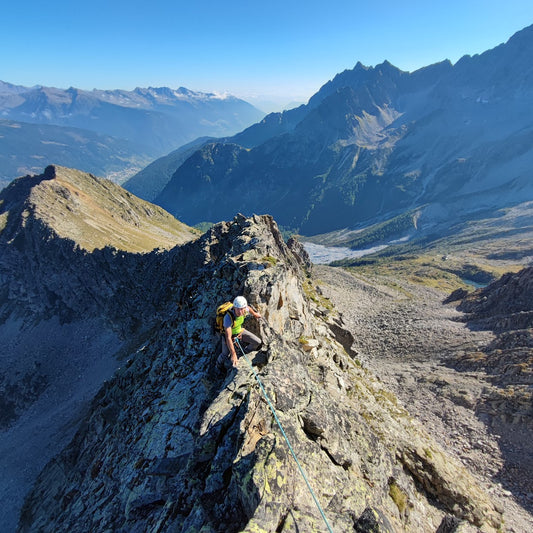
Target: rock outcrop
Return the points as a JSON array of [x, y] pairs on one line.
[[506, 308], [171, 444], [505, 305]]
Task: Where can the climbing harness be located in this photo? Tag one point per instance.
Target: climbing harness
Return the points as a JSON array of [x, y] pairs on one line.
[[285, 436]]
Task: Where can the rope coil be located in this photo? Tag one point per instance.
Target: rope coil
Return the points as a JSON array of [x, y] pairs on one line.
[[302, 472]]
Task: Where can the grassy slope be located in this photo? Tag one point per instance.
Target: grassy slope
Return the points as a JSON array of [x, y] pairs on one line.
[[96, 213], [476, 250]]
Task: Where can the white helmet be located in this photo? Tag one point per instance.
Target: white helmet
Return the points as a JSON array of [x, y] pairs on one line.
[[240, 302]]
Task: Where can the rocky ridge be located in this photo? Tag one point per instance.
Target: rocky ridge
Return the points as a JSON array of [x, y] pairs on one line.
[[66, 311], [91, 212], [170, 445], [61, 232], [506, 308]]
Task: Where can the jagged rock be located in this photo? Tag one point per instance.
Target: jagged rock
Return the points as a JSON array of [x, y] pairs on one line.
[[456, 295], [510, 296], [372, 521], [506, 308], [449, 524], [170, 445]]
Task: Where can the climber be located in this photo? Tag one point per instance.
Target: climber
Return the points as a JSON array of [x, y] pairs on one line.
[[232, 329]]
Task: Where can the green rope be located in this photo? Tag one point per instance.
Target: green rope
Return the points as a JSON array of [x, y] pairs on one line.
[[285, 436]]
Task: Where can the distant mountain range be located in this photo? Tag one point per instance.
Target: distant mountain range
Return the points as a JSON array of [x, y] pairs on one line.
[[375, 143], [27, 148], [123, 130]]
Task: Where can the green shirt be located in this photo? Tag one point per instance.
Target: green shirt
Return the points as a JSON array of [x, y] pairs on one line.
[[235, 322]]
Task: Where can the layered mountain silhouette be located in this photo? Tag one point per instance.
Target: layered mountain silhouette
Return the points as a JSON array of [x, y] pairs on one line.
[[376, 142], [133, 126]]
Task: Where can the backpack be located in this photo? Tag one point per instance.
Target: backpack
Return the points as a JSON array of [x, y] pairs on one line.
[[222, 310]]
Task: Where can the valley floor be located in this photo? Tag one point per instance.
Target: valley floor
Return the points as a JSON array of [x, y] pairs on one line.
[[405, 335]]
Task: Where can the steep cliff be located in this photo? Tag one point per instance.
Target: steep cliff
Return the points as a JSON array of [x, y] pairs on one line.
[[72, 295], [172, 444]]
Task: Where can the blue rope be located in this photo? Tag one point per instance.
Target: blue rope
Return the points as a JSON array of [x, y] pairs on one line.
[[285, 436]]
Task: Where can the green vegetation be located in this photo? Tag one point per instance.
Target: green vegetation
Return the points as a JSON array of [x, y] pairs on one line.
[[383, 231], [399, 497], [310, 290], [202, 227], [271, 260], [471, 254], [425, 269], [287, 232]]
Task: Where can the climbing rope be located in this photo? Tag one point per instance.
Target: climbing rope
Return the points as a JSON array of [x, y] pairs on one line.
[[285, 436]]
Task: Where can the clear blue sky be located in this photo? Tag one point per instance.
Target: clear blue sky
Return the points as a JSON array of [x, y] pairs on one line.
[[282, 48]]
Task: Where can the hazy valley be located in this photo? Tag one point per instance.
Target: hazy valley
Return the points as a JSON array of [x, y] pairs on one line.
[[113, 134]]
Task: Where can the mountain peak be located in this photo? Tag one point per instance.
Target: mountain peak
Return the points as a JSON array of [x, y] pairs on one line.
[[360, 66], [90, 211]]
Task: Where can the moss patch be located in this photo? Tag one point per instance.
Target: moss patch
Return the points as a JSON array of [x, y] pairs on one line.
[[399, 497]]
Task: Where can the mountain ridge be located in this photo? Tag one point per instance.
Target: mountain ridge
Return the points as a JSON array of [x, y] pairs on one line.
[[74, 205], [208, 454], [375, 142], [150, 121], [26, 147], [107, 110], [165, 440], [66, 313]]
